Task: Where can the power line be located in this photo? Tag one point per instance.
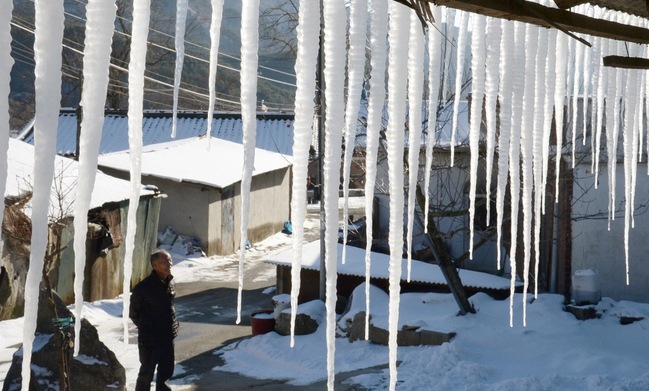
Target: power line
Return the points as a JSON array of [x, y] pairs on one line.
[[165, 34]]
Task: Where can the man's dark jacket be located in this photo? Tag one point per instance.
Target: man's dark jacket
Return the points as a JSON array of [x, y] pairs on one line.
[[152, 309]]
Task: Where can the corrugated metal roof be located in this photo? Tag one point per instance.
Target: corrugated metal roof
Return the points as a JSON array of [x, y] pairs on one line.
[[274, 130], [355, 266]]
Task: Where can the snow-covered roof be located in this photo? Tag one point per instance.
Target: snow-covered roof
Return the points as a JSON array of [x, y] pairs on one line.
[[20, 171], [274, 130], [218, 164], [421, 272]]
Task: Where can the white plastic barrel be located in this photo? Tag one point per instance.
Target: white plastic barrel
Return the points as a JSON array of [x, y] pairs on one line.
[[585, 288]]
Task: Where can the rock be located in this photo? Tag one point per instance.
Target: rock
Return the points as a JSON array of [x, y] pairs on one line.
[[308, 317], [356, 330], [408, 336], [583, 312], [304, 324], [95, 365]]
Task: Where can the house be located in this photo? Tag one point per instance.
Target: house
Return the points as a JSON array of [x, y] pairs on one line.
[[212, 215], [202, 181], [107, 220]]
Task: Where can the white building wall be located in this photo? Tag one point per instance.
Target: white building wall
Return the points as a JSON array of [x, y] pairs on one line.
[[595, 247]]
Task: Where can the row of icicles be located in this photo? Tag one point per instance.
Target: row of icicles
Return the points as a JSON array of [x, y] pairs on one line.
[[528, 70]]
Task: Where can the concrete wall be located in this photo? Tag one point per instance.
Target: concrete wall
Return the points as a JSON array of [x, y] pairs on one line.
[[186, 207], [269, 206], [595, 247]]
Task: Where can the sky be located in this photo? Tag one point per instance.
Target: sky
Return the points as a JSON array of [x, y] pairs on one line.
[[555, 351]]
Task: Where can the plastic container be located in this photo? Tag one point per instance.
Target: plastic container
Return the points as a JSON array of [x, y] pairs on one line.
[[585, 288], [262, 322]]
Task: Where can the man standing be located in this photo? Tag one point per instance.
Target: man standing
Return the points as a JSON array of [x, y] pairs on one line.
[[152, 311]]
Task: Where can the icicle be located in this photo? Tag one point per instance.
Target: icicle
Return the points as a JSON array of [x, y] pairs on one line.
[[356, 70], [415, 92], [548, 108], [6, 62], [514, 154], [181, 21], [527, 150], [559, 98], [249, 62], [578, 62], [505, 95], [47, 56], [434, 84], [540, 106], [459, 70], [478, 47], [629, 158], [215, 36], [96, 59], [617, 104], [586, 93], [447, 36], [305, 67], [376, 100], [601, 94], [637, 118], [494, 35], [398, 39], [334, 50], [136, 67]]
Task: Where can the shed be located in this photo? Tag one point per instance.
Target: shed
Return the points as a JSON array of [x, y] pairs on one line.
[[107, 220], [425, 277], [202, 181]]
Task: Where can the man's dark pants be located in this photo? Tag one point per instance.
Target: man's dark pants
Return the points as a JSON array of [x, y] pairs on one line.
[[152, 354]]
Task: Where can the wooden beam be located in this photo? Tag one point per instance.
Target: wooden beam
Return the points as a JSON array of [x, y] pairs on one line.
[[565, 4], [626, 62], [537, 14]]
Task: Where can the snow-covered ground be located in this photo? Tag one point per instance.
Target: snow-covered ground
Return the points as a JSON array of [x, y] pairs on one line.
[[554, 352]]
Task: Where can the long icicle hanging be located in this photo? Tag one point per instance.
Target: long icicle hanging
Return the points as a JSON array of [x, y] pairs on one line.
[[6, 63], [334, 51], [48, 40], [434, 85], [305, 67], [415, 93], [355, 70], [376, 102], [494, 35], [505, 97], [398, 41], [215, 37], [96, 61], [181, 23], [249, 62], [136, 67], [477, 96], [514, 157], [459, 70]]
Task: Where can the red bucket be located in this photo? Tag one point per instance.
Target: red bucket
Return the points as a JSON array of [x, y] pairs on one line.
[[262, 322]]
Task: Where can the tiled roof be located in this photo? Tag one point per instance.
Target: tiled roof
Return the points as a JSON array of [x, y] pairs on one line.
[[274, 130]]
